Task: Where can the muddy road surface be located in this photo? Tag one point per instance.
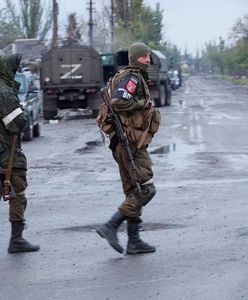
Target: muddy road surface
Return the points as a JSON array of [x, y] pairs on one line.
[[198, 220]]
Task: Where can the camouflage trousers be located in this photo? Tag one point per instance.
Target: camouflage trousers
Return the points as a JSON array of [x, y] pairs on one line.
[[131, 206], [18, 204]]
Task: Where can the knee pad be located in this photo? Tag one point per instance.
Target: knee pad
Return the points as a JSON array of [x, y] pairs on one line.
[[148, 191]]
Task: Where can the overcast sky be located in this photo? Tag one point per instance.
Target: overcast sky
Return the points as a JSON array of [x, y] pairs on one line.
[[191, 23], [187, 23]]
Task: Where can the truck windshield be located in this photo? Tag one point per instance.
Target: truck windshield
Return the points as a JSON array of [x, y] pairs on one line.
[[107, 59], [21, 79]]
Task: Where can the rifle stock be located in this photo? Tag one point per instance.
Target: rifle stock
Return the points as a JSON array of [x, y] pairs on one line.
[[120, 133]]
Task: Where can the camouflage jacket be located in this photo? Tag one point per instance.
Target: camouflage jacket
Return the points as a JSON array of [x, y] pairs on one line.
[[12, 116], [131, 100], [129, 91]]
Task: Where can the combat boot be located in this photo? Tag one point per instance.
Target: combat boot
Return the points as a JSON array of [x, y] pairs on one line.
[[135, 245], [17, 243], [109, 230]]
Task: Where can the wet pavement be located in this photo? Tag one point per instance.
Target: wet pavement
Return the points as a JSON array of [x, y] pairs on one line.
[[197, 220]]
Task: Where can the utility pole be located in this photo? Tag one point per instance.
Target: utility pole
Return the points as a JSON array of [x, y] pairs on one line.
[[55, 12], [112, 22], [91, 24]]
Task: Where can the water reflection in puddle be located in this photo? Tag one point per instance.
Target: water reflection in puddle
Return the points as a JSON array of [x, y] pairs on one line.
[[177, 149], [164, 149], [178, 156]]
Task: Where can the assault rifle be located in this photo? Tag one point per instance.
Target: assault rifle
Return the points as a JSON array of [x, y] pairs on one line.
[[6, 193], [115, 120], [6, 189]]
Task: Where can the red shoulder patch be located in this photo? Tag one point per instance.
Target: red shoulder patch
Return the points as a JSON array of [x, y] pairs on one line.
[[131, 87]]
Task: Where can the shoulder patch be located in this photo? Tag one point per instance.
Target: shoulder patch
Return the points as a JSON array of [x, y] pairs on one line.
[[132, 85], [127, 87]]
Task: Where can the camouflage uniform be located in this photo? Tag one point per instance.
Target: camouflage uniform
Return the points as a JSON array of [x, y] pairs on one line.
[[131, 100], [12, 122]]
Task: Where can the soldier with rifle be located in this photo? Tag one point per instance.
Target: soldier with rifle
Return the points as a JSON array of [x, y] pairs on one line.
[[13, 164], [130, 122]]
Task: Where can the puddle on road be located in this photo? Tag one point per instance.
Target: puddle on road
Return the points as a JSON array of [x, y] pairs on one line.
[[177, 149], [177, 155], [89, 147], [242, 232], [164, 149], [144, 227]]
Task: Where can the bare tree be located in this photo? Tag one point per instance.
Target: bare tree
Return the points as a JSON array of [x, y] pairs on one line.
[[25, 23], [73, 32], [239, 30]]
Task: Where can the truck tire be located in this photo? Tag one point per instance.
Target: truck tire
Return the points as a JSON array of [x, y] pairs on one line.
[[50, 108], [95, 113], [167, 94], [36, 130], [49, 115], [161, 101], [28, 132]]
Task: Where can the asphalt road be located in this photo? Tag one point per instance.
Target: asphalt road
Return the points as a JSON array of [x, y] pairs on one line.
[[198, 219]]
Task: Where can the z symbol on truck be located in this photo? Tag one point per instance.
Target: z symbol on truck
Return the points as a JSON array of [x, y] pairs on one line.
[[72, 69]]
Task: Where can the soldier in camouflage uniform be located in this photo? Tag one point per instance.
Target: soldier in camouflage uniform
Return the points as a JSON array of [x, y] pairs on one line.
[[12, 122], [131, 100]]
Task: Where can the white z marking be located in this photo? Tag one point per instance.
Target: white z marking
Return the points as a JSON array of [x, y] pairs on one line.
[[73, 68]]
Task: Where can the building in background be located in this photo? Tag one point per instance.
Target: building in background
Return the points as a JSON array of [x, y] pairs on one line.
[[31, 49]]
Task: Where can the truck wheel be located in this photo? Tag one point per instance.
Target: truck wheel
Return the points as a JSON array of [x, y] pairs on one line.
[[157, 102], [95, 113], [161, 101], [28, 132], [36, 130], [50, 108], [167, 95], [49, 115]]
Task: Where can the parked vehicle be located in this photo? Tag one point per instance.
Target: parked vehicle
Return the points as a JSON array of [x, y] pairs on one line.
[[71, 77], [29, 96], [159, 83], [174, 79], [175, 73]]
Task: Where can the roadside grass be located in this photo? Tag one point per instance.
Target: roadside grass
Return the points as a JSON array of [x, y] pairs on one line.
[[236, 79]]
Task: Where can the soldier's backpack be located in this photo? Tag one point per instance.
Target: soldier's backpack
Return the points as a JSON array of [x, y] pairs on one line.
[[103, 117], [152, 120]]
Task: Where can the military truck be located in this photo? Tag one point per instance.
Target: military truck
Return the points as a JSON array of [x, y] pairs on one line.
[[159, 81], [71, 77]]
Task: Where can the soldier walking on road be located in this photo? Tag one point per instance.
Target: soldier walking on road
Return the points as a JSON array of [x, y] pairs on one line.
[[13, 164], [130, 99]]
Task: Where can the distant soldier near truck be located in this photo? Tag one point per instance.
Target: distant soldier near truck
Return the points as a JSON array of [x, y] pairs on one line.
[[13, 163]]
